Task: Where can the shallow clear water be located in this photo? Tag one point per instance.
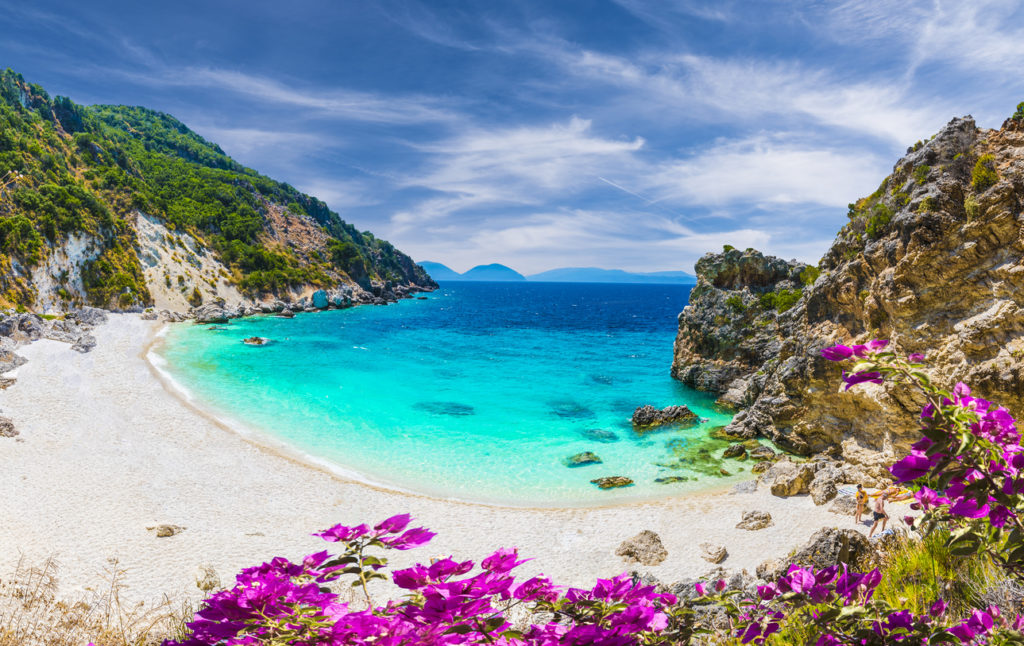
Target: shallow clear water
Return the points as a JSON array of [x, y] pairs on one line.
[[480, 392]]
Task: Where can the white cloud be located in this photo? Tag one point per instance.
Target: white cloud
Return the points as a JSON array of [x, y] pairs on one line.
[[341, 104], [766, 171], [258, 142], [523, 165]]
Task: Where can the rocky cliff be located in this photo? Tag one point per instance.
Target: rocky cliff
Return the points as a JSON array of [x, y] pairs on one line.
[[123, 207], [933, 260]]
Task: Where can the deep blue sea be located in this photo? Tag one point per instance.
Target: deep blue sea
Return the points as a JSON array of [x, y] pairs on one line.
[[479, 392]]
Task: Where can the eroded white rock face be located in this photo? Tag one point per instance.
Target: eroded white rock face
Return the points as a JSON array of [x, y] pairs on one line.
[[61, 269], [177, 258]]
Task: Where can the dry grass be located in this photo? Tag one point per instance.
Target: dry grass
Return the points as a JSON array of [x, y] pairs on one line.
[[32, 613]]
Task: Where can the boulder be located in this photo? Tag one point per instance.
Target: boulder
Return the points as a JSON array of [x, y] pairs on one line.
[[287, 313], [612, 482], [9, 361], [582, 459], [761, 467], [7, 427], [786, 478], [84, 344], [822, 491], [737, 451], [713, 553], [844, 505], [319, 299], [164, 530], [91, 316], [826, 547], [762, 453], [644, 548], [754, 520], [211, 313], [648, 416], [256, 340], [149, 315]]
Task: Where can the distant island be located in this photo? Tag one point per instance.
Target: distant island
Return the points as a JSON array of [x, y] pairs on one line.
[[496, 272]]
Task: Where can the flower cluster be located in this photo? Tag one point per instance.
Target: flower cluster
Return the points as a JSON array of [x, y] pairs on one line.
[[967, 469], [450, 602], [841, 605]]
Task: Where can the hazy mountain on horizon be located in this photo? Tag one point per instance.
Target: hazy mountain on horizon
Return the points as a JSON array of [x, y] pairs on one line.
[[496, 272], [599, 275], [493, 272]]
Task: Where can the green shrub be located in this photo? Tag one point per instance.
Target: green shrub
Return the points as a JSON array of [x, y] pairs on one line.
[[809, 275], [972, 207], [781, 300], [928, 205], [728, 247], [735, 302], [984, 174], [880, 217], [195, 299], [1019, 114], [921, 173]]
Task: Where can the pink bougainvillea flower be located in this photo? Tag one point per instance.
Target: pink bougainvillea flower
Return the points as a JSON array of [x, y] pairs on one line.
[[861, 377], [837, 353]]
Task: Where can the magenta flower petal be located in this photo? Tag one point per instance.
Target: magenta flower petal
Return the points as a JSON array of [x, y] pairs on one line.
[[837, 353]]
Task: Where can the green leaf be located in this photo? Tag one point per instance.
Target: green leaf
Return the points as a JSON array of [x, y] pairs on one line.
[[460, 629], [493, 623]]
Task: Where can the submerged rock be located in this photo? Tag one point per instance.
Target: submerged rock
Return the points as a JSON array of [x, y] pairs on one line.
[[600, 435], [613, 482], [571, 410], [645, 548], [582, 459], [737, 451], [454, 409], [671, 479], [647, 416], [256, 340]]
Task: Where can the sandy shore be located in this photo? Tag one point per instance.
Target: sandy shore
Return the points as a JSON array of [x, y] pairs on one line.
[[106, 451]]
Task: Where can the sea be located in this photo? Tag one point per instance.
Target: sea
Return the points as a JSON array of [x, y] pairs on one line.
[[480, 392]]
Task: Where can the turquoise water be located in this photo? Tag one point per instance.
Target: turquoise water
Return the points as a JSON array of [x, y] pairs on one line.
[[479, 392]]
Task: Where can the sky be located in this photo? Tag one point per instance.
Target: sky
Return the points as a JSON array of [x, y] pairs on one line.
[[631, 134]]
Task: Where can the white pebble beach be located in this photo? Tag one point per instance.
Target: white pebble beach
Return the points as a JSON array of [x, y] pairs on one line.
[[107, 450]]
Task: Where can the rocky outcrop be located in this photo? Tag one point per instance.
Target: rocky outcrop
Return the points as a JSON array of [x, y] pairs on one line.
[[647, 416], [7, 428], [786, 478], [825, 548], [645, 548], [932, 261]]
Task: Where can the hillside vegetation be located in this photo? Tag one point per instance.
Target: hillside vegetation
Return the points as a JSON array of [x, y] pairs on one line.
[[73, 179]]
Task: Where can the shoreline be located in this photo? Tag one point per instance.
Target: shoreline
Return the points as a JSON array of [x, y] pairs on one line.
[[108, 450], [266, 441]]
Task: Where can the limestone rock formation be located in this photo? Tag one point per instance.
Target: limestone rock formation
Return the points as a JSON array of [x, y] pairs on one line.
[[932, 261], [786, 478], [644, 548]]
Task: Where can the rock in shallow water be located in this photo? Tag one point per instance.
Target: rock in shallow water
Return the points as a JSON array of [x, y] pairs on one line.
[[613, 482], [644, 548], [600, 435], [648, 416], [454, 409], [582, 459]]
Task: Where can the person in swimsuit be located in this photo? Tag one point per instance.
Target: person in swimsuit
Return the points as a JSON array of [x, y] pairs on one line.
[[862, 503], [879, 513]]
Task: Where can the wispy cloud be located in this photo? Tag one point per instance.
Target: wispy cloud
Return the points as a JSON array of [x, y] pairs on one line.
[[525, 165], [768, 171]]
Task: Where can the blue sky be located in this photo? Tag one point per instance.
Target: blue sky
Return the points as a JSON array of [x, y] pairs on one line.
[[632, 134]]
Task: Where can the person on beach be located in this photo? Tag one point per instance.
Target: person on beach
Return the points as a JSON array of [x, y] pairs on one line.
[[862, 503], [880, 513]]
